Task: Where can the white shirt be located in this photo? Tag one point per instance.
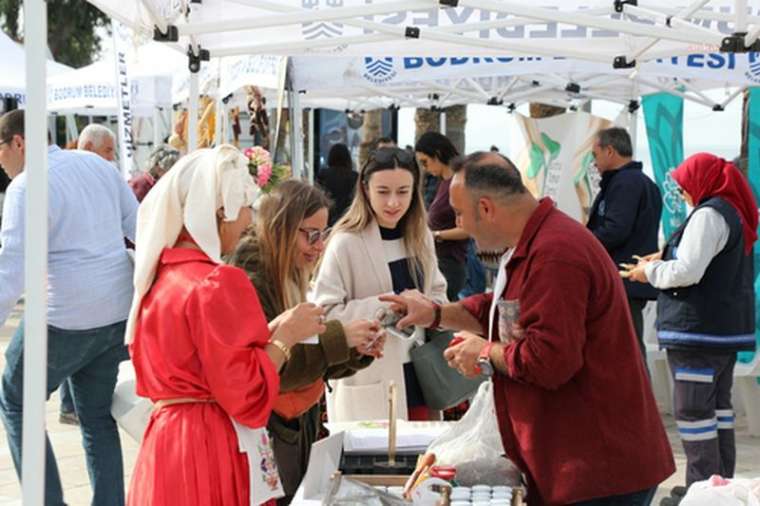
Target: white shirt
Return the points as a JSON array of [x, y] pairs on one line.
[[704, 237], [91, 209]]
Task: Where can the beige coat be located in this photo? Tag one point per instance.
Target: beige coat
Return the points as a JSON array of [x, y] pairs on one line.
[[354, 271]]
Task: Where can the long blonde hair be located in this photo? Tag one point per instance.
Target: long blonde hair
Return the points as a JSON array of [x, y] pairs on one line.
[[277, 227], [414, 227]]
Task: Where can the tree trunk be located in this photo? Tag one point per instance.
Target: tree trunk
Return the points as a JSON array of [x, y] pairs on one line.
[[538, 110], [372, 130], [456, 120], [426, 120]]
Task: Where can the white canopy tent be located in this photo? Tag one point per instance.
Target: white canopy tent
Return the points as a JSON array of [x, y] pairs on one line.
[[12, 69], [617, 34], [600, 30], [603, 31], [92, 90]]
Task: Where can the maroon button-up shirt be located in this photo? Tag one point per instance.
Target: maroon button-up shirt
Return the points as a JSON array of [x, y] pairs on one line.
[[576, 410]]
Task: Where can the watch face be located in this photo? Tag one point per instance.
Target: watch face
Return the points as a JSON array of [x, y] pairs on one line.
[[486, 367]]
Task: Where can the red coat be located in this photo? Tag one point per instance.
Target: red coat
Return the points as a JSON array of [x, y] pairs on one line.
[[200, 333], [575, 409]]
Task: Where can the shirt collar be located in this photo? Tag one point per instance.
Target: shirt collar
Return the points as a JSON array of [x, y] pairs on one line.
[[545, 207], [52, 148], [171, 256]]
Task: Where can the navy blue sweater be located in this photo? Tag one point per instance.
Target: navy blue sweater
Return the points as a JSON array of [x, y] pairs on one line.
[[625, 217]]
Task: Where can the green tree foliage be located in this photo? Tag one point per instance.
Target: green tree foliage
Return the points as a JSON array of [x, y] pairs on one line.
[[72, 26]]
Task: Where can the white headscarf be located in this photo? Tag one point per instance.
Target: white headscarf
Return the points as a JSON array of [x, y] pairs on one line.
[[188, 195]]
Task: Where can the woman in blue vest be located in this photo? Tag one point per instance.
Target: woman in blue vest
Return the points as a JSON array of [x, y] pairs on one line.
[[705, 309]]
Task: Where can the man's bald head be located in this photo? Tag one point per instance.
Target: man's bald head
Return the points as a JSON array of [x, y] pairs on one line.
[[487, 173]]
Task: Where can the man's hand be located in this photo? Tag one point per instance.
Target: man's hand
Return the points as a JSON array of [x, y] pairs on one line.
[[418, 309], [464, 356]]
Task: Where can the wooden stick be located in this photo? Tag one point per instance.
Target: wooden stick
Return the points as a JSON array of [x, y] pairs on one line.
[[392, 423]]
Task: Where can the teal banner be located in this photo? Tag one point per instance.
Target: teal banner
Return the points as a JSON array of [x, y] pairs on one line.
[[753, 171], [663, 114]]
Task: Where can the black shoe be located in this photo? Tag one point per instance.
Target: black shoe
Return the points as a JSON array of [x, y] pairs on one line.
[[678, 491], [670, 501]]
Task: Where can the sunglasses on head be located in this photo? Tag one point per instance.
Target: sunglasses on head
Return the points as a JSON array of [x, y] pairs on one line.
[[313, 235], [390, 157]]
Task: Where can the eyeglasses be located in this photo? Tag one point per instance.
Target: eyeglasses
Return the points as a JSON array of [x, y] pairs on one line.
[[313, 235]]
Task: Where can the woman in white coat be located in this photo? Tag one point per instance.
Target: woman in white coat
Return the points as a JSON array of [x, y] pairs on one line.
[[381, 245]]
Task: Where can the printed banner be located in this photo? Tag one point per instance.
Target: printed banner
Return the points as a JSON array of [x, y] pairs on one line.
[[753, 171], [557, 161], [121, 45], [663, 114], [313, 74]]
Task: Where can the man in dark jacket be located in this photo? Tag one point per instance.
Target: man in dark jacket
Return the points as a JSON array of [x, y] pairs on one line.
[[625, 215]]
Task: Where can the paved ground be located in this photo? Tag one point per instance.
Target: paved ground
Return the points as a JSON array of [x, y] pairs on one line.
[[66, 442]]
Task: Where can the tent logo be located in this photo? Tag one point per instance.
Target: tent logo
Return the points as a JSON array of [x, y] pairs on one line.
[[321, 29], [753, 62], [379, 70], [313, 31]]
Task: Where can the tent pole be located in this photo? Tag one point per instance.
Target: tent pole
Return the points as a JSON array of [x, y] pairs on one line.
[[732, 96], [36, 252], [156, 132], [634, 118], [740, 6], [310, 147], [296, 134], [192, 120]]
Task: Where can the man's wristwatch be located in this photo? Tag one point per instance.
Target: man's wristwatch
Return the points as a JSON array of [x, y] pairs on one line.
[[437, 236], [484, 360]]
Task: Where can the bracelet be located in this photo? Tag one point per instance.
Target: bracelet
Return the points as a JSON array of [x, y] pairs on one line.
[[437, 310], [282, 347]]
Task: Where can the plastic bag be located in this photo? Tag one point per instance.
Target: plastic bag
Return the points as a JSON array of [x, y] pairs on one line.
[[130, 411], [718, 491], [473, 445]]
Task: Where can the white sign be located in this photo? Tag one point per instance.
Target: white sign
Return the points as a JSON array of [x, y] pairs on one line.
[[557, 160], [121, 42]]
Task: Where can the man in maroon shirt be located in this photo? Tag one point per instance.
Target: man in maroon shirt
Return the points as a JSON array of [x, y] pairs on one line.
[[574, 405]]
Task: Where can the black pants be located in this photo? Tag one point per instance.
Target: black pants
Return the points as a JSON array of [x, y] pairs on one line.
[[455, 273], [703, 411]]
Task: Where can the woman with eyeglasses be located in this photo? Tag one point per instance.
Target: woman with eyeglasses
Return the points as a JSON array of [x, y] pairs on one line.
[[706, 307], [279, 253], [381, 245]]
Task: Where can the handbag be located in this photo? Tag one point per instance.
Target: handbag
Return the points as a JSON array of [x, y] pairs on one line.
[[442, 387], [292, 404]]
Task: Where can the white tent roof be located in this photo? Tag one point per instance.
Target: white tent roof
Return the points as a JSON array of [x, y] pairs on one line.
[[12, 70], [596, 30], [91, 90]]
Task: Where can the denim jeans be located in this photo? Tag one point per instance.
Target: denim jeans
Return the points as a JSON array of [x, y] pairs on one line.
[[90, 358], [67, 400], [641, 498]]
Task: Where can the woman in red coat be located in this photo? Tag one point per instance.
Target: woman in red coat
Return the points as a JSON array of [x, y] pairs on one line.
[[201, 346]]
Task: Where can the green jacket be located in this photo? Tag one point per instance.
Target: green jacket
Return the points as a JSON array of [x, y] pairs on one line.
[[331, 359]]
